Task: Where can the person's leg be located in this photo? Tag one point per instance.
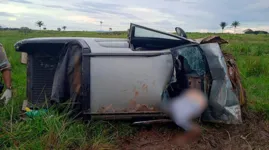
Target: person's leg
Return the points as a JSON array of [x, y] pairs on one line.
[[189, 136], [185, 108]]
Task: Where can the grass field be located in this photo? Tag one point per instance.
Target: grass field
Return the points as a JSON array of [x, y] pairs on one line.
[[59, 132]]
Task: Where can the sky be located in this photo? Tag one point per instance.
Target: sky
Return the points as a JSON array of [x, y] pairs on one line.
[[164, 15]]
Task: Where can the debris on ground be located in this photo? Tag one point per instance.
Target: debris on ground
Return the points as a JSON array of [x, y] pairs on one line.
[[252, 134], [35, 113], [211, 39]]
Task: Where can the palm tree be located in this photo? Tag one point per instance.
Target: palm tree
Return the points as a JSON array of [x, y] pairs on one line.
[[235, 24], [64, 27], [223, 25], [40, 24]]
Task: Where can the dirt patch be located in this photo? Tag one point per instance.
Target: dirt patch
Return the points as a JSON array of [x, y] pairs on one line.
[[252, 134]]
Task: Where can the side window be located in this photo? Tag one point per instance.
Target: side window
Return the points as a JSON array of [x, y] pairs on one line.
[[141, 32], [193, 58]]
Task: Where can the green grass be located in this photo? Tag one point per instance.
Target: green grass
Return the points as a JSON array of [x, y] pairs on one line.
[[59, 132]]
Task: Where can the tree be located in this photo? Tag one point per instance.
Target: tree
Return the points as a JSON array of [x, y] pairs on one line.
[[40, 24], [248, 31], [101, 22], [44, 28], [64, 27], [223, 25], [235, 24], [110, 29], [25, 30], [59, 29]]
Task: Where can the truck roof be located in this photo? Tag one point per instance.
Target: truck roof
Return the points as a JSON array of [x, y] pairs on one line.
[[96, 45]]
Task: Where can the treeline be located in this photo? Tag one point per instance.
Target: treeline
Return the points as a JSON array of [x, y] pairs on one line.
[[249, 31], [113, 33], [24, 30], [6, 28]]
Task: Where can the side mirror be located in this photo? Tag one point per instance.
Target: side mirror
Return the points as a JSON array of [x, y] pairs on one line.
[[180, 32]]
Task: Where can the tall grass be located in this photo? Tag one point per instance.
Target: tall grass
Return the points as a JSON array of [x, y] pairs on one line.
[[58, 131], [255, 72]]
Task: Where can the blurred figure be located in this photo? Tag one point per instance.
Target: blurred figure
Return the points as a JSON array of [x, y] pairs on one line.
[[182, 109], [5, 69]]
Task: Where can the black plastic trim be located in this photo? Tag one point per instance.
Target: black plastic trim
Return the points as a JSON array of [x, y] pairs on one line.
[[86, 78], [132, 25]]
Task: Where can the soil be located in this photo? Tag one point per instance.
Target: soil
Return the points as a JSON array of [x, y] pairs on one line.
[[252, 134]]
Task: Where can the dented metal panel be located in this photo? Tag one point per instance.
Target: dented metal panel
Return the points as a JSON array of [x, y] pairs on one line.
[[129, 83], [224, 105]]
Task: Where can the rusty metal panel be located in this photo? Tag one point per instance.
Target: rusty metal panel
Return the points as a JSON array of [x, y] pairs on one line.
[[129, 84], [211, 39]]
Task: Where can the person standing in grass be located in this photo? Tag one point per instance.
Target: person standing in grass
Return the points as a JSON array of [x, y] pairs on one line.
[[5, 69]]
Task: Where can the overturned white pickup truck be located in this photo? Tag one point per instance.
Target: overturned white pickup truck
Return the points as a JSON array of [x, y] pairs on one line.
[[126, 78]]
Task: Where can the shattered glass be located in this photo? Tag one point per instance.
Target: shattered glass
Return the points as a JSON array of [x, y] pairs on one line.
[[194, 58]]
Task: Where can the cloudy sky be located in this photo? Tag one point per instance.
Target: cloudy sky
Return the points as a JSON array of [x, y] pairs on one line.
[[191, 15]]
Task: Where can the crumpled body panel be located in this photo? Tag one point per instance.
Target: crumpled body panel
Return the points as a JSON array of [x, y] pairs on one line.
[[223, 103]]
